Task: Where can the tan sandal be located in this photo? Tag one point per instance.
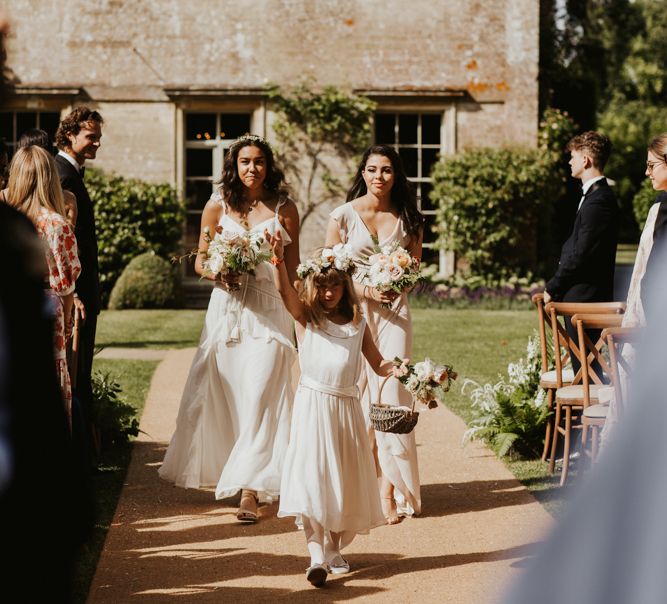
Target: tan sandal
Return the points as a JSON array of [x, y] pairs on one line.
[[390, 517], [245, 514]]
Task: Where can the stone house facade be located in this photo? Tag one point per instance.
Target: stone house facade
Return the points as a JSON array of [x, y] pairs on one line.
[[177, 81]]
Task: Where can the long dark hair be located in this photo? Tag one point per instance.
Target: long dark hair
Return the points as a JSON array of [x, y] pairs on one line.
[[403, 194], [231, 185]]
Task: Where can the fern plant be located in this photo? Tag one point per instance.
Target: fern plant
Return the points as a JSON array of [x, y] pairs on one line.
[[114, 419], [510, 416]]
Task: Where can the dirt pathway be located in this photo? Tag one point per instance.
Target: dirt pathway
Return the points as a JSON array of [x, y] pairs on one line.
[[168, 544]]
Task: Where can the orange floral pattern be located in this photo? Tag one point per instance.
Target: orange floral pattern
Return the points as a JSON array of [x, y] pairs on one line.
[[64, 269]]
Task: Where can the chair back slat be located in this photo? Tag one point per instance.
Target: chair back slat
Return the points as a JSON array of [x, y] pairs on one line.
[[617, 338]]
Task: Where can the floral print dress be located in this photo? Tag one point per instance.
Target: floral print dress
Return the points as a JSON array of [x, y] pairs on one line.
[[64, 268]]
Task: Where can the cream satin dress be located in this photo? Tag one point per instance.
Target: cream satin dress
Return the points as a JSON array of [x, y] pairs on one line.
[[392, 333], [233, 423]]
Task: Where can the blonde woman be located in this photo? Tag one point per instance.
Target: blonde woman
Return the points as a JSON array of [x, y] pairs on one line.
[[34, 189]]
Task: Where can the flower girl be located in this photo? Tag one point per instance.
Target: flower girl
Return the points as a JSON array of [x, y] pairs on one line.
[[329, 479]]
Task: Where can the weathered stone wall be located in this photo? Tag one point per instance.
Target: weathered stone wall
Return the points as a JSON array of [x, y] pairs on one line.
[[129, 56]]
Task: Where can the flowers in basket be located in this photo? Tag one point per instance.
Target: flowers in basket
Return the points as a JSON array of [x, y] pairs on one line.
[[392, 268], [426, 381], [229, 252]]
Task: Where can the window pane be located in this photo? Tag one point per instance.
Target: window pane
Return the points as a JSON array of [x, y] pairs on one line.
[[7, 125], [407, 129], [384, 128], [49, 123], [199, 162], [431, 129], [426, 203], [233, 125], [197, 193], [430, 256], [192, 226], [24, 121], [199, 126], [429, 157], [409, 157], [429, 235]]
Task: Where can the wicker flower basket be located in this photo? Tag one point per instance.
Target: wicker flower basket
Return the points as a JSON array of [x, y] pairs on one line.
[[387, 418]]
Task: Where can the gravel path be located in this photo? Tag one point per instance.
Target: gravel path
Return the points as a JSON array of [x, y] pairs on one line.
[[167, 544]]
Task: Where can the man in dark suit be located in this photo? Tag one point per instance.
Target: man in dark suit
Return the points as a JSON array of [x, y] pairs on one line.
[[586, 269], [78, 139]]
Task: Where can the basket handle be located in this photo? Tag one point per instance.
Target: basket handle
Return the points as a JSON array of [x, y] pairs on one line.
[[382, 383]]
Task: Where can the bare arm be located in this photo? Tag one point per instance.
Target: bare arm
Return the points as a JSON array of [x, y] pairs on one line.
[[71, 209], [382, 367], [283, 282], [209, 218], [68, 307], [290, 222]]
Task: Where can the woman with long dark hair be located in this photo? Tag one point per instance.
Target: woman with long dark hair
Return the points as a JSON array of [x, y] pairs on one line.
[[233, 424], [381, 210]]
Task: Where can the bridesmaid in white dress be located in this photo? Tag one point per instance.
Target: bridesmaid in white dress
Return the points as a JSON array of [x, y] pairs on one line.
[[382, 208], [233, 424], [329, 479]]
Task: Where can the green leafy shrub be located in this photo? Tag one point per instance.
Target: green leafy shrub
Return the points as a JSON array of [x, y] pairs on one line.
[[642, 202], [114, 419], [494, 206], [148, 281], [511, 415], [132, 217]]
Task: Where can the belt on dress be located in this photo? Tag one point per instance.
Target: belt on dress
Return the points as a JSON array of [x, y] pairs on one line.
[[344, 391]]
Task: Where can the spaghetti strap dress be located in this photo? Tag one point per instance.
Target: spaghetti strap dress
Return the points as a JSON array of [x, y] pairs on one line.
[[232, 428]]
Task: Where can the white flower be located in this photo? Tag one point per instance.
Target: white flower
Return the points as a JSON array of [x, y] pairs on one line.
[[425, 370], [412, 383], [215, 264], [395, 271], [327, 257]]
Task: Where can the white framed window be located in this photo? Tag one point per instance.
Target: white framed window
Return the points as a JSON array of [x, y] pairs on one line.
[[14, 123], [207, 137], [417, 138]]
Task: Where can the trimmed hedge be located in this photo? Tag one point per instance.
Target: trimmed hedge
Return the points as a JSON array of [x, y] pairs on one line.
[[148, 281], [132, 217]]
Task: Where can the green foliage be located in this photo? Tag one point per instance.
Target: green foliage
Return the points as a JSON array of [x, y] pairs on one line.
[[313, 126], [132, 217], [556, 129], [114, 419], [642, 202], [630, 125], [148, 281], [511, 415], [489, 205]]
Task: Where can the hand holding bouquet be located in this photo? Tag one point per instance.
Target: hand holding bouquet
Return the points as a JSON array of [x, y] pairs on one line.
[[230, 254], [426, 381], [392, 268]]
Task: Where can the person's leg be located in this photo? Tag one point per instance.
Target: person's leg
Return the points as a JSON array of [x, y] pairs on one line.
[[317, 572], [388, 501], [83, 431], [337, 564]]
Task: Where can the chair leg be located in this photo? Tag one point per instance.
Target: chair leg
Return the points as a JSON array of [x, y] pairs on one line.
[[554, 440], [550, 421], [566, 445]]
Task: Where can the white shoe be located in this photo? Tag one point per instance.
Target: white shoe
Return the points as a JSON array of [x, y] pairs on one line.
[[339, 565]]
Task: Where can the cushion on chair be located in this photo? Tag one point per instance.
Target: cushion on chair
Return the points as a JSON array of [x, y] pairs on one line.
[[596, 411], [574, 395], [605, 394], [549, 378]]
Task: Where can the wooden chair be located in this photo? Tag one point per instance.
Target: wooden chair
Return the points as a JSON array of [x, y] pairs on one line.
[[594, 413], [570, 398], [550, 379]]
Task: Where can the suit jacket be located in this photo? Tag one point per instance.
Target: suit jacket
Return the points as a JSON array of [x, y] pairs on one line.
[[88, 283], [586, 268]]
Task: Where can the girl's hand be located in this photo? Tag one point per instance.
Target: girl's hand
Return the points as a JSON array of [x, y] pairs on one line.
[[399, 371], [276, 243]]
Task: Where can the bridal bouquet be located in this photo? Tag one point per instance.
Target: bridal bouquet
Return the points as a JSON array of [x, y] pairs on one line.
[[229, 252], [392, 268], [426, 381]]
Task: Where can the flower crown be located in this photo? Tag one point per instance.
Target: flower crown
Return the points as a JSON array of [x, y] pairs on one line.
[[338, 257], [252, 138]]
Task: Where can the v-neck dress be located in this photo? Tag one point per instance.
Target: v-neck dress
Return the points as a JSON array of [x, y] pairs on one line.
[[233, 423], [392, 333]]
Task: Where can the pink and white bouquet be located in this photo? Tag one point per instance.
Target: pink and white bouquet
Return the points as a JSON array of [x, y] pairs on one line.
[[426, 381], [233, 253], [392, 268]]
